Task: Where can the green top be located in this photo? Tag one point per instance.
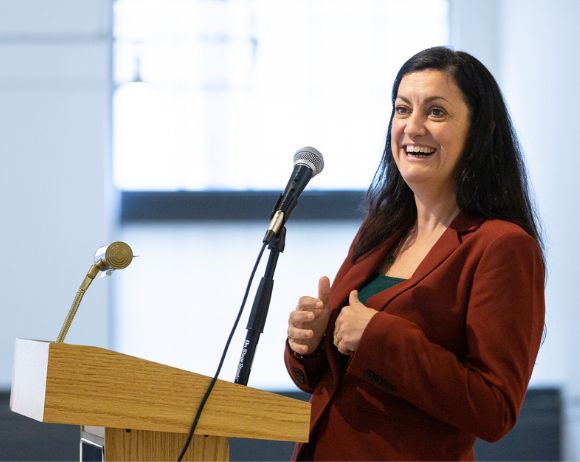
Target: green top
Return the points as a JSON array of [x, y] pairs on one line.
[[375, 284]]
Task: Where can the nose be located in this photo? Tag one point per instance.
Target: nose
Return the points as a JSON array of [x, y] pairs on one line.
[[415, 125]]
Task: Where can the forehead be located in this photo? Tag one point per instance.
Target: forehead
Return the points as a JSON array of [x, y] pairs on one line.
[[429, 84]]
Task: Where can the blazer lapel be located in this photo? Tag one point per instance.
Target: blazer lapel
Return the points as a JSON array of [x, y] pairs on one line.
[[358, 273], [445, 245]]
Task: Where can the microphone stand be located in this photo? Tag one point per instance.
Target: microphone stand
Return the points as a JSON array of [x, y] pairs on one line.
[[257, 318]]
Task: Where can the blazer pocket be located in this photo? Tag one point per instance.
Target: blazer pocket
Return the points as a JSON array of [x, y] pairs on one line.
[[379, 381], [375, 396]]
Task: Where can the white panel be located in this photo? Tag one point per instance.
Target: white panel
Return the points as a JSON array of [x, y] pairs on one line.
[[474, 29], [541, 41], [26, 19], [38, 67], [55, 117], [544, 109], [52, 187], [29, 378]]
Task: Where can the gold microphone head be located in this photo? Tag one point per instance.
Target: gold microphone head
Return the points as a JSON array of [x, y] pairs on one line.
[[117, 255]]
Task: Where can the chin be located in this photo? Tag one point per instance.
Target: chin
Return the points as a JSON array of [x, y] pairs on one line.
[[414, 176], [417, 181]]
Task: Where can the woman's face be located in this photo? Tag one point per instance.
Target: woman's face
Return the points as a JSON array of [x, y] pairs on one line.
[[429, 129]]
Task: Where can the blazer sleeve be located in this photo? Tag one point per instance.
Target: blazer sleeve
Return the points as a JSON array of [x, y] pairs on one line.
[[305, 371], [481, 392]]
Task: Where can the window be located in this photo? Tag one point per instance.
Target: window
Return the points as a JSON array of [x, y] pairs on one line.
[[219, 94]]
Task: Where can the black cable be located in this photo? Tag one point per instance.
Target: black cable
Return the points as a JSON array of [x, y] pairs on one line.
[[219, 368]]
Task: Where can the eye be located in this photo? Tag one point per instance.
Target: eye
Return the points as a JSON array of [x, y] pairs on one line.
[[437, 112], [401, 110]]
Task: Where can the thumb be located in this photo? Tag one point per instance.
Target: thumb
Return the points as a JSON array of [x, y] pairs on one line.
[[324, 289], [353, 297]]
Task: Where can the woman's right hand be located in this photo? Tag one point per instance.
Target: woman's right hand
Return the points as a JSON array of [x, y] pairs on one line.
[[307, 323]]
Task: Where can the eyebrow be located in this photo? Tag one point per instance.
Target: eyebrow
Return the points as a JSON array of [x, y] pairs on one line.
[[428, 99]]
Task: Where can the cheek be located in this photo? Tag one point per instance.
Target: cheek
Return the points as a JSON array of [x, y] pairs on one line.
[[456, 140], [395, 136], [396, 128], [395, 151], [456, 150], [450, 143]]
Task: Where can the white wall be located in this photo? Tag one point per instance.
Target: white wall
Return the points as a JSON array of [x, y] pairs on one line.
[[498, 33], [540, 68], [54, 124], [537, 46], [474, 27]]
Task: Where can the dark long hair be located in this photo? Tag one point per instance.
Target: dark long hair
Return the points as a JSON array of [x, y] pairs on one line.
[[490, 179]]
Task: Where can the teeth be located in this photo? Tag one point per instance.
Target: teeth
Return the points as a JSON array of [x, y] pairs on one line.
[[421, 149]]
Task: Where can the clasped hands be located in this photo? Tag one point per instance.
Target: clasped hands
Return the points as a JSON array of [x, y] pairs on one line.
[[309, 320]]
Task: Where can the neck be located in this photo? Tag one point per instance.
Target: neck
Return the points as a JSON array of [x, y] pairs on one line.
[[434, 213]]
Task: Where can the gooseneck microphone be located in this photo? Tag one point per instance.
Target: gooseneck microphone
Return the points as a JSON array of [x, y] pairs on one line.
[[117, 255], [308, 162]]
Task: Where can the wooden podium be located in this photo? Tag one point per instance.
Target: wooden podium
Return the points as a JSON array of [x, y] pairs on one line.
[[141, 410]]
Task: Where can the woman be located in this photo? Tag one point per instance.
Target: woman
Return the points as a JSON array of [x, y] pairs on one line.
[[428, 336]]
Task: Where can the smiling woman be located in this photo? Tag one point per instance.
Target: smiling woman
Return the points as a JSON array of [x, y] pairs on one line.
[[439, 346]]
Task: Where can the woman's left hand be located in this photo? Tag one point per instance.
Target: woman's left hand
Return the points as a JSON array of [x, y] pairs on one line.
[[351, 323]]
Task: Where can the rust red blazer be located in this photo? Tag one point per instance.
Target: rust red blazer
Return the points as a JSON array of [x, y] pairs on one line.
[[447, 358]]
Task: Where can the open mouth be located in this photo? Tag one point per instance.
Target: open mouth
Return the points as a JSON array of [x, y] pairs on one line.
[[419, 151]]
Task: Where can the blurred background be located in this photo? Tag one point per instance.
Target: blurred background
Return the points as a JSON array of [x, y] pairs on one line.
[[171, 125]]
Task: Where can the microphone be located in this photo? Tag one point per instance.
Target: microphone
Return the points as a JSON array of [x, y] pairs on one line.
[[117, 255], [308, 162]]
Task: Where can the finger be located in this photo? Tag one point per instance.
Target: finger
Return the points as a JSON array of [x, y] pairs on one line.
[[300, 317], [308, 303], [353, 297], [340, 318], [337, 325], [324, 289], [335, 334], [296, 333], [342, 348], [299, 348]]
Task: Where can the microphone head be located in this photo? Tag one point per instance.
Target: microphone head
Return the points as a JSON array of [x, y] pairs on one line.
[[311, 158], [117, 255]]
